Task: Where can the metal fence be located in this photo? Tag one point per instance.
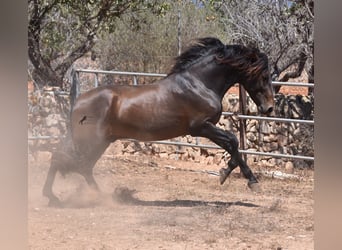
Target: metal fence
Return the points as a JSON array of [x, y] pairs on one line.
[[76, 90]]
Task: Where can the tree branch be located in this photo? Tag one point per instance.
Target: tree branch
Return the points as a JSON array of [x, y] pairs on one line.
[[299, 69], [86, 46]]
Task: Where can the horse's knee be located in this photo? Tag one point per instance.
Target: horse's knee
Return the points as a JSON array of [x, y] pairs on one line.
[[233, 163], [233, 144]]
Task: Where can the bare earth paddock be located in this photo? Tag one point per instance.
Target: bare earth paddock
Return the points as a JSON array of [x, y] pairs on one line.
[[152, 203]]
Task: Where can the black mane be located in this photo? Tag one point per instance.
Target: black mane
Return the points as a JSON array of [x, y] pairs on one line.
[[249, 61], [202, 47]]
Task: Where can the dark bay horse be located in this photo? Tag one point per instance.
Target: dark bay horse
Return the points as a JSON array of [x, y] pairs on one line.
[[186, 102]]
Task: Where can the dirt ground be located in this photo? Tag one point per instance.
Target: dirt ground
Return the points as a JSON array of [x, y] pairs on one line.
[[153, 203]]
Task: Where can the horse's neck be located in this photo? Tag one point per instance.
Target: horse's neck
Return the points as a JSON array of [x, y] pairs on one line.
[[217, 80]]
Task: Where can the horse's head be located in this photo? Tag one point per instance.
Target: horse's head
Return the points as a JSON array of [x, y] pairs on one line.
[[253, 73], [260, 89], [237, 63]]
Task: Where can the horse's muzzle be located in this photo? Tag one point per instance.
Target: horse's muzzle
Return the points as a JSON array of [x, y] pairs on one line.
[[267, 110]]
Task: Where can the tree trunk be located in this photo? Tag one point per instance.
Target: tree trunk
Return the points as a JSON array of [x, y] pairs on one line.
[[43, 73], [47, 77]]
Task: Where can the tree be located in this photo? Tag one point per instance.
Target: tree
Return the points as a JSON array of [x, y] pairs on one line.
[[151, 44], [282, 29], [61, 31]]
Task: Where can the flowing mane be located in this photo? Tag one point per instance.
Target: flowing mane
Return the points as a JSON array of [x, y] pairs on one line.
[[249, 61], [202, 47], [243, 59]]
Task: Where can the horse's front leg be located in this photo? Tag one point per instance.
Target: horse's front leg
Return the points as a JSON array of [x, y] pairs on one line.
[[236, 160], [230, 143]]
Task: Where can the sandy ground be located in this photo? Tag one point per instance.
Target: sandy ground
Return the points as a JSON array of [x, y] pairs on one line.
[[151, 203]]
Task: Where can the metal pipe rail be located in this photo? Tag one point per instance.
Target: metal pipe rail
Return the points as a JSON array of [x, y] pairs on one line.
[[120, 73], [263, 118], [44, 137], [293, 84]]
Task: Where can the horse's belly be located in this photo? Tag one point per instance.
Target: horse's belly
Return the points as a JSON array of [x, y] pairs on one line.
[[148, 132]]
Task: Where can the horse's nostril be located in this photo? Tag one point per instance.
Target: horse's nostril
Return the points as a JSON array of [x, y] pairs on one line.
[[270, 110]]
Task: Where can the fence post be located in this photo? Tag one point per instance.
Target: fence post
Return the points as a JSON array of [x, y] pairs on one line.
[[96, 80], [75, 88], [242, 122]]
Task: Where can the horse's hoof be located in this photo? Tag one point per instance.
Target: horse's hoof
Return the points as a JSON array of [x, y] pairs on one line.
[[223, 175], [255, 187], [55, 202]]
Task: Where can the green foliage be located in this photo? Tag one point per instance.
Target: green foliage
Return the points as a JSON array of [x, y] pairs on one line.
[[145, 35], [149, 43], [61, 31]]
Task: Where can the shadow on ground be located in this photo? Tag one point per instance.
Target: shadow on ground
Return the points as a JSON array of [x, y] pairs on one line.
[[125, 195], [86, 198]]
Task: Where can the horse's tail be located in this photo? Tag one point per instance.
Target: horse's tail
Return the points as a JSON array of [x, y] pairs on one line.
[[64, 150]]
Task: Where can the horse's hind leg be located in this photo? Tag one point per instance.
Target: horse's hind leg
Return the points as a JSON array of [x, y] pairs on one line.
[[86, 170], [89, 177], [59, 160], [47, 190], [66, 161], [88, 156]]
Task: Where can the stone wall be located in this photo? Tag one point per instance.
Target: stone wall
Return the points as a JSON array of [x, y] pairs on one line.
[[49, 111]]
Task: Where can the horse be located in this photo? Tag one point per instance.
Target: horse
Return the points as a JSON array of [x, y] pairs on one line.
[[188, 101]]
